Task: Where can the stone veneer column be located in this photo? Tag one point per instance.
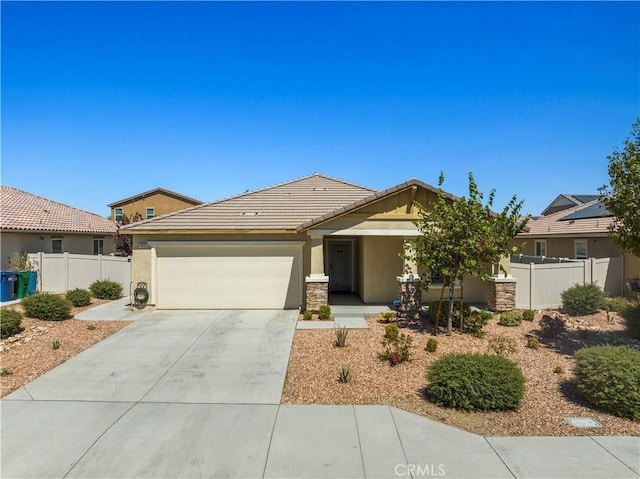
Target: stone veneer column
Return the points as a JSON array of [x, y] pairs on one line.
[[317, 291], [502, 294], [410, 295]]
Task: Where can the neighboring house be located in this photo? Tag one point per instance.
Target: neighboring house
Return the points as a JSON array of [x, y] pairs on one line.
[[152, 203], [284, 246], [32, 224], [579, 232], [565, 201]]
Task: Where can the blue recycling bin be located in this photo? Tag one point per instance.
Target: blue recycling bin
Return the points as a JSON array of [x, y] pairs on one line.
[[7, 284], [33, 282]]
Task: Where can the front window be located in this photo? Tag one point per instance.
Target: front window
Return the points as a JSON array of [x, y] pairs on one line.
[[581, 249], [56, 245], [151, 212], [98, 246], [541, 248], [118, 214]]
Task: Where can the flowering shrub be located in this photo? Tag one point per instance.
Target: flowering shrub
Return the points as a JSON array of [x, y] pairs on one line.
[[396, 350]]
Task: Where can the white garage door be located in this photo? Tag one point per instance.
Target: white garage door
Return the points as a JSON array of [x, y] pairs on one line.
[[229, 277]]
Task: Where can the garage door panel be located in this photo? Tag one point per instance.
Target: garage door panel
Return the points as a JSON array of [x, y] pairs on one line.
[[228, 278]]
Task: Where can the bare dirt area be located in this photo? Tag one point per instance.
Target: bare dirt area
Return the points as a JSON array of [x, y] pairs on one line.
[[30, 354], [550, 396]]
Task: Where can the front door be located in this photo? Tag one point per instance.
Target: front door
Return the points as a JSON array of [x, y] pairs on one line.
[[340, 266]]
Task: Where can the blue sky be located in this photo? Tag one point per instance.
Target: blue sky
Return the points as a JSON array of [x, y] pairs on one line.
[[103, 100]]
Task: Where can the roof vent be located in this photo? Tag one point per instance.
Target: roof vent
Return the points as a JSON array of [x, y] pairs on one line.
[[250, 213], [319, 188]]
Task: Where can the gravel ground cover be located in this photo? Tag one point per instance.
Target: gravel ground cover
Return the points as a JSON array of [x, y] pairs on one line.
[[30, 354], [550, 396]]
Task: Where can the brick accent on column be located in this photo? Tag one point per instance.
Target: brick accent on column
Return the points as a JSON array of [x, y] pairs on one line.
[[317, 291], [502, 294], [410, 295]]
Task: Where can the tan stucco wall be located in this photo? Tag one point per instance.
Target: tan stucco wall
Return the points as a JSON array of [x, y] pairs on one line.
[[631, 269], [11, 243], [380, 264], [602, 247], [474, 290], [162, 203]]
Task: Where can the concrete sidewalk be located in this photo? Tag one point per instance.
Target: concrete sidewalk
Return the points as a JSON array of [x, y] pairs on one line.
[[161, 440], [118, 309]]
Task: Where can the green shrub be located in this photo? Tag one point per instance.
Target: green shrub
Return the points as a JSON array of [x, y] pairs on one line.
[[432, 345], [106, 289], [558, 370], [582, 299], [307, 315], [473, 321], [510, 318], [502, 346], [618, 304], [47, 306], [475, 382], [528, 315], [609, 377], [397, 350], [387, 316], [551, 326], [324, 312], [631, 316], [55, 344], [79, 297], [391, 331], [10, 323], [532, 343]]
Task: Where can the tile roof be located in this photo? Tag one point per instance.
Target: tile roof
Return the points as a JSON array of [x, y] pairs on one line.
[[374, 197], [282, 207], [556, 225], [24, 211], [154, 191]]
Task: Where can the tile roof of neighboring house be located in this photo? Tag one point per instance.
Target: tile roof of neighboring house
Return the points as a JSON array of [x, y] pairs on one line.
[[589, 219], [281, 207], [187, 199], [22, 211], [569, 200]]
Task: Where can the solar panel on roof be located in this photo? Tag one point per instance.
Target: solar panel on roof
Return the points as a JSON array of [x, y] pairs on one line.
[[585, 198], [597, 210]]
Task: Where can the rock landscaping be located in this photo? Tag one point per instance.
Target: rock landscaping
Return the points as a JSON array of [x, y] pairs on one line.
[[30, 353], [551, 394]]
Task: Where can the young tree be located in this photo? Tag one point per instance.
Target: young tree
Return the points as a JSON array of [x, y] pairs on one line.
[[463, 236], [124, 243], [622, 197]]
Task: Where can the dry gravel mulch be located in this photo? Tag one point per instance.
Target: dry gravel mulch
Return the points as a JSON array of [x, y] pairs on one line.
[[550, 397], [30, 354]]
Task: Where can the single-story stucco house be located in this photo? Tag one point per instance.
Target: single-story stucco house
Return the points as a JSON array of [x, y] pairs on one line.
[[296, 244], [31, 224], [578, 232]]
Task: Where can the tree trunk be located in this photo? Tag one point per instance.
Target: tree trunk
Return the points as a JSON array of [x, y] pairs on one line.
[[452, 285], [435, 331], [461, 306]]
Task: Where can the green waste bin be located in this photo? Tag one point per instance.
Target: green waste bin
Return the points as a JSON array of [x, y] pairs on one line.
[[22, 284]]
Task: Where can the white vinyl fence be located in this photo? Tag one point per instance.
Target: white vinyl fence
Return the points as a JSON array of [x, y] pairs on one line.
[[58, 273], [540, 285]]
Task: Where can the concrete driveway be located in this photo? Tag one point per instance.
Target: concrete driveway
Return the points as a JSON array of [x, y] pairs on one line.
[[196, 394]]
